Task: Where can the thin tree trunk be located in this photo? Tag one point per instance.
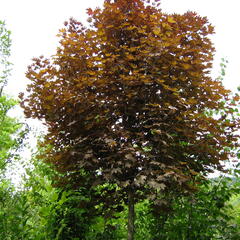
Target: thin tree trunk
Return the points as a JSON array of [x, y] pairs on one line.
[[131, 215]]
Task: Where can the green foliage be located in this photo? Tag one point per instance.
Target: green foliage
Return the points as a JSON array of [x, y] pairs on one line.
[[13, 204], [54, 213], [9, 130], [208, 214], [5, 65], [203, 215], [12, 132], [13, 213]]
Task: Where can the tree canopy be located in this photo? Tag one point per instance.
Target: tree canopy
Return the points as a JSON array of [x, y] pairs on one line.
[[128, 102]]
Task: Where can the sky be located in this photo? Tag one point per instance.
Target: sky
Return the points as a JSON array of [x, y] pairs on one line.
[[35, 24]]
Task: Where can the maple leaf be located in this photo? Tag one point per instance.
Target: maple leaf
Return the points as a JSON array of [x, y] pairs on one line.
[[90, 11]]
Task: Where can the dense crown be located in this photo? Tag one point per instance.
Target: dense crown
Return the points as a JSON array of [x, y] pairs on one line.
[[127, 99]]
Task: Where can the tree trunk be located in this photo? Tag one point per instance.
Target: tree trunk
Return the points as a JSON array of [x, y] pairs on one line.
[[131, 215]]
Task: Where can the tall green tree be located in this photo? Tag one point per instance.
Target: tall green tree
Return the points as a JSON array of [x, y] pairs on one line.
[[11, 131], [127, 101]]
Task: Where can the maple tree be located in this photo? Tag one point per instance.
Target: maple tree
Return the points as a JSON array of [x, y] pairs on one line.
[[127, 102]]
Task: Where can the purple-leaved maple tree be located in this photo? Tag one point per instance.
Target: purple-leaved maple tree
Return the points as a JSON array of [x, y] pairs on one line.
[[127, 100]]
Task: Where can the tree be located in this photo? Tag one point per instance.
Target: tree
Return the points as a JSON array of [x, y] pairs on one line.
[[5, 44], [11, 130], [54, 213], [128, 104]]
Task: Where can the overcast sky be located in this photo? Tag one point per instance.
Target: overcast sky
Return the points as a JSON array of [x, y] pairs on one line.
[[34, 25]]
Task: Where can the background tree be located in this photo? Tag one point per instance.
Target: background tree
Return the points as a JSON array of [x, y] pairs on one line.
[[127, 102], [10, 128], [12, 132]]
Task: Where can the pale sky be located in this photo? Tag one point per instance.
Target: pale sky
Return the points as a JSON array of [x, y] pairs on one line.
[[34, 25]]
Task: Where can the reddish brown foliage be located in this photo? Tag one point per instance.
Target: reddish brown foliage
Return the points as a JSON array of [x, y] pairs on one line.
[[125, 100]]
